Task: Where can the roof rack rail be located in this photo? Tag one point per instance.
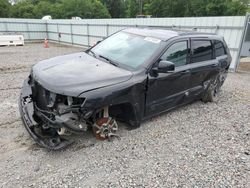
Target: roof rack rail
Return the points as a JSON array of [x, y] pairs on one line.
[[173, 27], [180, 29], [193, 30]]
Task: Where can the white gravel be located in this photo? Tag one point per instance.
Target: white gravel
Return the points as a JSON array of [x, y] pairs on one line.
[[199, 145]]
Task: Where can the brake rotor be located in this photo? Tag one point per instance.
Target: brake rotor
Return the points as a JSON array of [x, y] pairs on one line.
[[105, 128]]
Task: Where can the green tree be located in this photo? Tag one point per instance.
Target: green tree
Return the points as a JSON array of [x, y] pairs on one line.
[[237, 7], [116, 8], [196, 8], [98, 10], [43, 8], [4, 8], [167, 8], [216, 8], [180, 8], [23, 9], [122, 8], [133, 8], [56, 11], [84, 9], [60, 9]]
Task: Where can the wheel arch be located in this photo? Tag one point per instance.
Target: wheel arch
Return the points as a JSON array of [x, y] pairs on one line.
[[124, 112]]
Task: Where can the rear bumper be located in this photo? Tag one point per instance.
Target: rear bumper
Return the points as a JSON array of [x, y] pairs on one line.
[[27, 112]]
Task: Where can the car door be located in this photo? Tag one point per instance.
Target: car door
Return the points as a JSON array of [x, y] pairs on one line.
[[203, 65], [222, 54], [167, 90]]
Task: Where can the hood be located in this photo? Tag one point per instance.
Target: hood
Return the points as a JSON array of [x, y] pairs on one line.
[[77, 73]]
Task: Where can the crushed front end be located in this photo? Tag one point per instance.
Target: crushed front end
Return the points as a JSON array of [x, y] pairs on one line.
[[49, 117]]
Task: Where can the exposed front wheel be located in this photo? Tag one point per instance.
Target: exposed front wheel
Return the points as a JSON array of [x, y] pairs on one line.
[[105, 127]]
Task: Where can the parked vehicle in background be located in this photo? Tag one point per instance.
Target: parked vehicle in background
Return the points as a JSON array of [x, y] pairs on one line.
[[76, 18], [130, 76], [11, 39], [48, 17], [143, 16]]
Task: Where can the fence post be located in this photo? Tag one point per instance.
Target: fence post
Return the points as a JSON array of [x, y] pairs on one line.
[[28, 31], [47, 32], [247, 17], [71, 33], [107, 30], [217, 28], [58, 37], [6, 26], [88, 34]]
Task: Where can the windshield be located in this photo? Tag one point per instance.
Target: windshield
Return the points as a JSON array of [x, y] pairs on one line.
[[127, 49]]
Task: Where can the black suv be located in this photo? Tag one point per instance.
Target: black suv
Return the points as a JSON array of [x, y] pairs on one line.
[[130, 76]]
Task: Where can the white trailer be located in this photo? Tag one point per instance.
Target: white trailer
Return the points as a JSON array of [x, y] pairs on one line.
[[8, 40]]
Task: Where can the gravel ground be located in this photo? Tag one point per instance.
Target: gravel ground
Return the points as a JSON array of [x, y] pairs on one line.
[[199, 145]]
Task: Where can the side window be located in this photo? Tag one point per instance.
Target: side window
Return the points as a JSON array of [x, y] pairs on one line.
[[202, 50], [177, 53], [219, 48]]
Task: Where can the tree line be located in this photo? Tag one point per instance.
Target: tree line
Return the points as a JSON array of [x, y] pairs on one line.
[[65, 9]]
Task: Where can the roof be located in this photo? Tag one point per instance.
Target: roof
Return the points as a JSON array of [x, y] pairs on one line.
[[164, 34]]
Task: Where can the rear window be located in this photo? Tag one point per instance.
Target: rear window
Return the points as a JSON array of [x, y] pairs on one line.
[[219, 48], [202, 50]]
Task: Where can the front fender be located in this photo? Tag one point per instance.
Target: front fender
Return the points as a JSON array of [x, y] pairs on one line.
[[132, 93]]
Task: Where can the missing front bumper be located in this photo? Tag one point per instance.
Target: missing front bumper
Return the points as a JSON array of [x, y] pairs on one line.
[[48, 139]]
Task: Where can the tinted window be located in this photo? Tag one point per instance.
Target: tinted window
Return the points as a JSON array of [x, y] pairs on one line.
[[177, 53], [219, 48], [202, 50]]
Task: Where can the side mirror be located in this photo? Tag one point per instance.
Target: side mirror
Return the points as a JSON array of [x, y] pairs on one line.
[[97, 42], [164, 67]]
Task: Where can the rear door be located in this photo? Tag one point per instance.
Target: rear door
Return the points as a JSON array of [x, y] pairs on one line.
[[203, 65], [222, 54]]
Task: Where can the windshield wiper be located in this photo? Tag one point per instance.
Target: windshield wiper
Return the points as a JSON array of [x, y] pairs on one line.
[[109, 60], [93, 53]]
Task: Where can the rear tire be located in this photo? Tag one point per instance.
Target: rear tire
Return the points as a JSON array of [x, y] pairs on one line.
[[213, 90]]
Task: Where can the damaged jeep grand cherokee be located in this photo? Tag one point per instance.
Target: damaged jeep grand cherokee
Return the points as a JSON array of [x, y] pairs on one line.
[[130, 76]]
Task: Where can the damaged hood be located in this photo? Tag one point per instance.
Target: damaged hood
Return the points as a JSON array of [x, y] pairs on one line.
[[77, 73]]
